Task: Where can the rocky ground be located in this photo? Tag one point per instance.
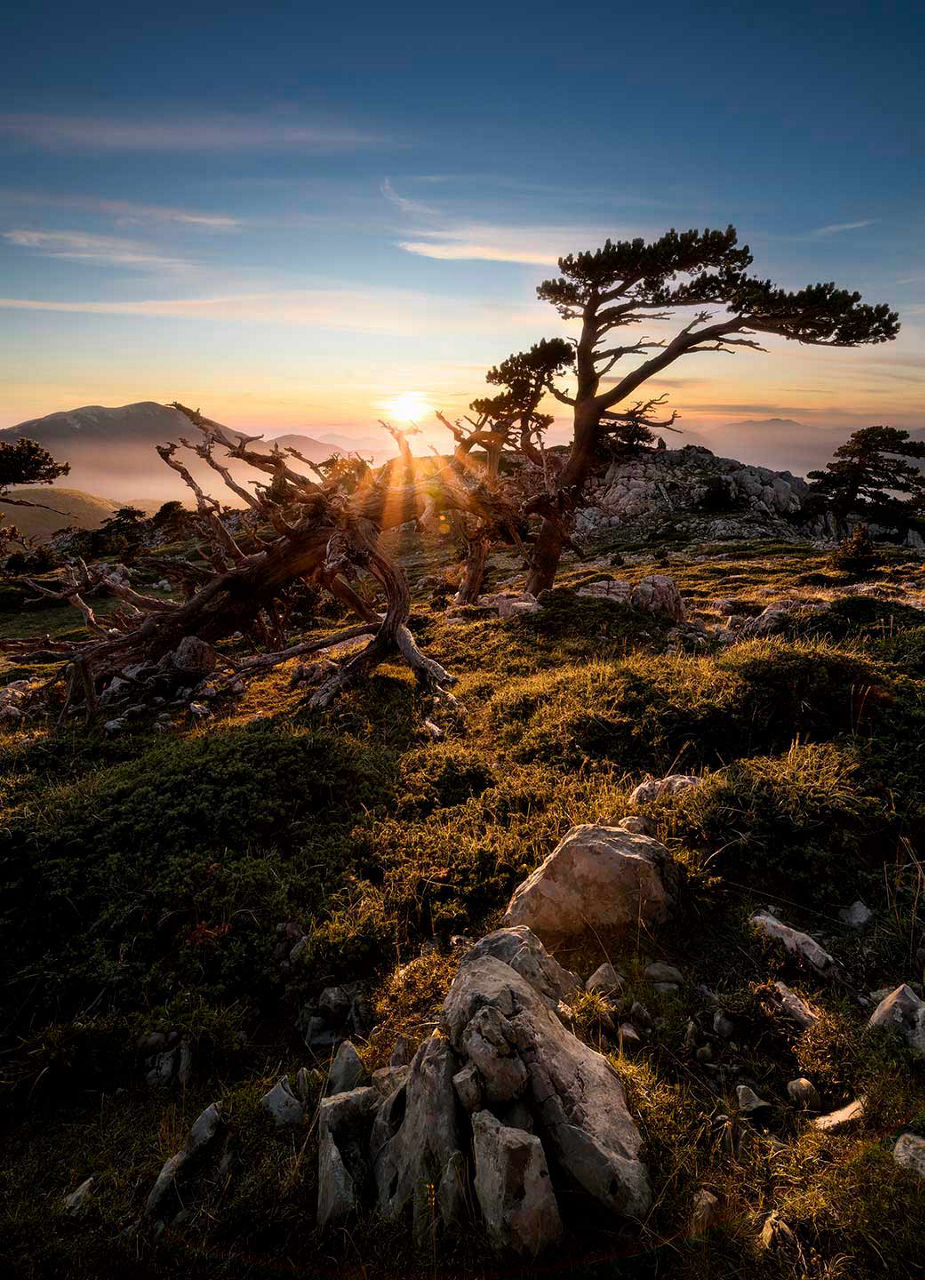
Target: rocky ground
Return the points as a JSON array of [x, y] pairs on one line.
[[615, 967]]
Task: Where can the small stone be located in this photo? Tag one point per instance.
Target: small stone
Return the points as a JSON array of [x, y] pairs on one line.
[[387, 1079], [334, 1003], [282, 1104], [673, 784], [199, 711], [347, 1070], [658, 971], [836, 1121], [76, 1202], [705, 1053], [318, 1035], [794, 1007], [722, 1026], [636, 824], [804, 1093], [903, 1010], [857, 915], [629, 1039], [604, 978], [468, 1088], [748, 1100], [640, 1014], [666, 988], [799, 945], [910, 1153], [705, 1212]]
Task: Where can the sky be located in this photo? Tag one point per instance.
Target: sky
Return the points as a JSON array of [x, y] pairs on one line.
[[302, 217]]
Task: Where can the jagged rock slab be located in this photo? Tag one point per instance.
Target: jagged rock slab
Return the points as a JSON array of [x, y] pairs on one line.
[[573, 1093], [513, 1187]]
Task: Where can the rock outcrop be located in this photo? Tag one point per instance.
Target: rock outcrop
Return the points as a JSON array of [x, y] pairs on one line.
[[503, 1100], [596, 878]]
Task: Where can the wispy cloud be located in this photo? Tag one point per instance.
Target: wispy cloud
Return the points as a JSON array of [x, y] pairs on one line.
[[124, 212], [212, 133], [412, 207], [391, 312], [836, 228], [81, 246]]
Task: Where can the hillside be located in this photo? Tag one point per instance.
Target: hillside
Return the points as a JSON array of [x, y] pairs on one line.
[[111, 450], [196, 907], [71, 507]]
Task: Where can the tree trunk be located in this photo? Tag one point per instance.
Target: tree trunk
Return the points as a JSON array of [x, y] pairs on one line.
[[474, 574], [547, 552]]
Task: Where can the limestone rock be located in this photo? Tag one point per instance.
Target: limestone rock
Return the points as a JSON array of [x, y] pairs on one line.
[[841, 1119], [768, 622], [513, 1187], [903, 1010], [519, 947], [910, 1152], [612, 589], [857, 915], [800, 946], [705, 1212], [604, 978], [283, 1106], [344, 1123], [660, 972], [347, 1070], [416, 1141], [637, 824], [572, 1091], [804, 1093], [76, 1202], [194, 657], [673, 784], [794, 1007], [202, 1135], [748, 1100], [659, 595], [595, 878]]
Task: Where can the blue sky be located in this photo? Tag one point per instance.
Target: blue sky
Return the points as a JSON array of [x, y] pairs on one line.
[[294, 215]]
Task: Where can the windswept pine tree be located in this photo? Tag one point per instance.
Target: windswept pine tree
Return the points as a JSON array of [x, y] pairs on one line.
[[701, 278], [873, 475]]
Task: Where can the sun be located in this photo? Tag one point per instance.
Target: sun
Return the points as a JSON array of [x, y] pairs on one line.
[[410, 406]]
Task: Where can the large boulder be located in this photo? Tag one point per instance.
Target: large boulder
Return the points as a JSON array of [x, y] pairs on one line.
[[513, 1187], [596, 878], [526, 1058]]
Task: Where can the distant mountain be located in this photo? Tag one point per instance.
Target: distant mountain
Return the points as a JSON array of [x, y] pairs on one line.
[[111, 450], [783, 444]]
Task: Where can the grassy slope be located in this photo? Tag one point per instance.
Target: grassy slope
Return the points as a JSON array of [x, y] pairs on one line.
[[145, 876], [71, 507]]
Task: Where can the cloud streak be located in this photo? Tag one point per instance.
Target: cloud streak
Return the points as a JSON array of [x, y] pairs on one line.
[[81, 246], [214, 133], [125, 211], [403, 313], [836, 228]]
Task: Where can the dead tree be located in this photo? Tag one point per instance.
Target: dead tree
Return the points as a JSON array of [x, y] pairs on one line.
[[629, 283], [509, 422], [321, 528]]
